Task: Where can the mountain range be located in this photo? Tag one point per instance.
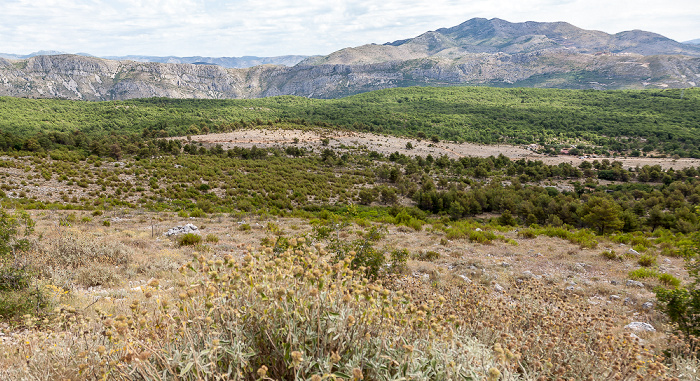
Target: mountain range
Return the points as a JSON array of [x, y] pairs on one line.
[[227, 62], [491, 52]]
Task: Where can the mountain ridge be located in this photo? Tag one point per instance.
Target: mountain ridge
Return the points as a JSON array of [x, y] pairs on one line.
[[227, 62], [477, 52]]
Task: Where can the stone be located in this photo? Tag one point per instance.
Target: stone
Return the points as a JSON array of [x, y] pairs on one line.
[[628, 302], [640, 326], [615, 297], [648, 305], [188, 228], [466, 279], [633, 252], [634, 283], [527, 274], [498, 287]]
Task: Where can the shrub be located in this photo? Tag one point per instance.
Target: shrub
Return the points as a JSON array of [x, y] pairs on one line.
[[211, 238], [643, 273], [647, 260], [17, 297], [97, 274], [77, 250], [189, 239], [14, 230], [610, 255], [16, 303], [682, 304], [527, 233], [371, 333], [398, 260], [244, 227], [199, 213], [483, 237], [428, 256], [669, 280], [507, 219]]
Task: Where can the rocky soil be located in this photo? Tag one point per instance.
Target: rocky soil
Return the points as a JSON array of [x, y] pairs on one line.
[[343, 141]]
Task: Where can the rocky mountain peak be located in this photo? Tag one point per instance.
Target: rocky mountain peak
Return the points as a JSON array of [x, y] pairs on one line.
[[479, 51]]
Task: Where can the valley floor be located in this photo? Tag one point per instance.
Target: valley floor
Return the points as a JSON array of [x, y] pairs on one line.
[[312, 139]]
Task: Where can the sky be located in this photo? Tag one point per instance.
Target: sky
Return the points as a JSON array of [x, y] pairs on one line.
[[233, 28]]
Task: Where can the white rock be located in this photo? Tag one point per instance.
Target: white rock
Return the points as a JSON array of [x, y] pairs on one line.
[[634, 283], [498, 287], [466, 279], [640, 326]]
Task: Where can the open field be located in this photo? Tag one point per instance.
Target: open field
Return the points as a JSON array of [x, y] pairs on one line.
[[499, 272], [312, 139]]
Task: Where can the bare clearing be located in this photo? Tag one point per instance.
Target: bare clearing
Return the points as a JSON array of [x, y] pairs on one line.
[[344, 140]]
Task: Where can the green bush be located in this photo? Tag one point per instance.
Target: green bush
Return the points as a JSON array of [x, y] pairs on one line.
[[669, 280], [428, 256], [211, 238], [527, 233], [647, 260], [17, 303], [610, 255], [189, 239], [17, 296], [198, 213], [643, 273], [244, 227], [682, 304], [398, 260]]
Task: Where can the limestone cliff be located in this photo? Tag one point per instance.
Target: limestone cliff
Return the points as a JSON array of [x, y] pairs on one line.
[[477, 52]]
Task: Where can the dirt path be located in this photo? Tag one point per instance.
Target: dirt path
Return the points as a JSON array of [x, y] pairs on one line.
[[343, 140]]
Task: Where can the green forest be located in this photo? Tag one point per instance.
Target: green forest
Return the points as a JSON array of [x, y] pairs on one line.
[[632, 123]]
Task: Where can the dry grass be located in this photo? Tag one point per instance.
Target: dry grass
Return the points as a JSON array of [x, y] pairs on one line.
[[233, 309]]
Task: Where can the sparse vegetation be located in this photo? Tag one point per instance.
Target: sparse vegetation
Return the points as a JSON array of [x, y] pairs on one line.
[[372, 265], [189, 239]]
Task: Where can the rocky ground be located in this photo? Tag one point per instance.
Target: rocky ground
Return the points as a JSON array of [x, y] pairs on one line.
[[577, 272], [343, 140]]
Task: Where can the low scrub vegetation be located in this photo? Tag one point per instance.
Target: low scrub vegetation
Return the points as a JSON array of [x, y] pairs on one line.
[[301, 314], [397, 267], [189, 239]]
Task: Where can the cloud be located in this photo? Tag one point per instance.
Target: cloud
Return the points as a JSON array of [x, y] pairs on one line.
[[276, 27]]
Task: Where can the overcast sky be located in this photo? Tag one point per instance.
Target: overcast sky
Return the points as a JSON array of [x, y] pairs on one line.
[[231, 28]]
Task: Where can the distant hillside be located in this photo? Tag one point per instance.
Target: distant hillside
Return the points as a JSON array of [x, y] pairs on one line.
[[227, 62], [478, 52], [693, 42], [30, 55], [478, 36]]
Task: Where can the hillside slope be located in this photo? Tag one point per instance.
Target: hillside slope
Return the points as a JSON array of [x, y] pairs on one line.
[[477, 52]]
